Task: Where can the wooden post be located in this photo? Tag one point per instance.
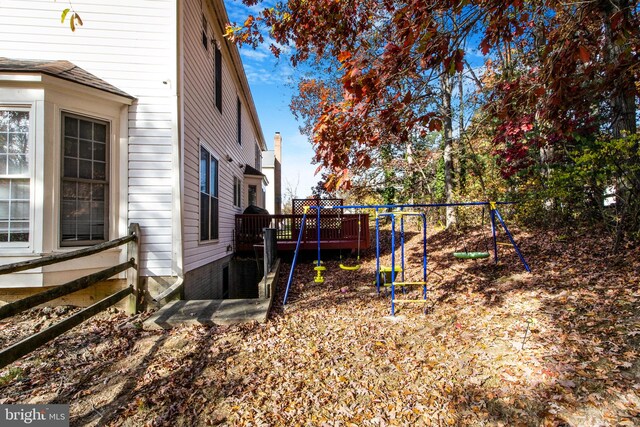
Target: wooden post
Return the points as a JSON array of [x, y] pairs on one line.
[[133, 274]]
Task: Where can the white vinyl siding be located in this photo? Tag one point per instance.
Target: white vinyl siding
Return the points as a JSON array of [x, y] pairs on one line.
[[132, 46], [203, 121]]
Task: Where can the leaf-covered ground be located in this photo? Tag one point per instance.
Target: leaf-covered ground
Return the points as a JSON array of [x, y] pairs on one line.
[[496, 346]]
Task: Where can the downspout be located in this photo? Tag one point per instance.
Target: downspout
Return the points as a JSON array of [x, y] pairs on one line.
[[177, 161]]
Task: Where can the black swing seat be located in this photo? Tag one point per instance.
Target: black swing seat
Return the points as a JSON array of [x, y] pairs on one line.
[[471, 255]]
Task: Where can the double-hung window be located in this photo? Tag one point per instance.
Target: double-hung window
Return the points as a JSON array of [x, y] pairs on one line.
[[208, 196], [14, 175], [85, 185]]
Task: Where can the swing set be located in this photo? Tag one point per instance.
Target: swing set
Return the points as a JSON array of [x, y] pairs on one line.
[[386, 276]]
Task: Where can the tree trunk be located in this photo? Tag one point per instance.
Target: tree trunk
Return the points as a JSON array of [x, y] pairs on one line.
[[462, 159], [623, 99], [623, 118], [446, 85]]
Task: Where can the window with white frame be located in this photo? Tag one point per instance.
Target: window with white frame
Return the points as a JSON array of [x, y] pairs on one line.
[[208, 196], [237, 191], [85, 185], [15, 178]]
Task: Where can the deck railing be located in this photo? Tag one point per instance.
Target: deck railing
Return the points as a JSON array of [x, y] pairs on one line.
[[336, 230], [27, 345]]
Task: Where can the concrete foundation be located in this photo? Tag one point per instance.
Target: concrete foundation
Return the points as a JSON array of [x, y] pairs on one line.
[[218, 311]]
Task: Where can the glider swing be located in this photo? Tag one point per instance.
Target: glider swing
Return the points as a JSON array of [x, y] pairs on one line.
[[466, 254]]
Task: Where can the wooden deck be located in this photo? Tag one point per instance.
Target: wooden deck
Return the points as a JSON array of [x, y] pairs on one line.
[[336, 231]]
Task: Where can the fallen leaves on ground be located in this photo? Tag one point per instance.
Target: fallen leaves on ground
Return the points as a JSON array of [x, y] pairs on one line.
[[493, 346]]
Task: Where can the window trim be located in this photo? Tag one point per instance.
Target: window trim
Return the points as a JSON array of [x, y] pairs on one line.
[[107, 181], [31, 175]]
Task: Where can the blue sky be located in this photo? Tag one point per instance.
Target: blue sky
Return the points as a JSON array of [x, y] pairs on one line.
[[270, 81], [271, 87]]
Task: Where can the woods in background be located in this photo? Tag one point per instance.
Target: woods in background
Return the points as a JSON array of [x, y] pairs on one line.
[[532, 101]]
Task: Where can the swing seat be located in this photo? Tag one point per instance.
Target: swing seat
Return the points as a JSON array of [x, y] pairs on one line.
[[350, 267], [385, 273], [471, 255], [319, 269]]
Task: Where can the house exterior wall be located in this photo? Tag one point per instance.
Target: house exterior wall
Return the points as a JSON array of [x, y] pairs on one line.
[[153, 51], [206, 126], [131, 45], [47, 98]]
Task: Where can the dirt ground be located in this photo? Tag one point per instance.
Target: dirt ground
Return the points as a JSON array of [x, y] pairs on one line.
[[493, 346]]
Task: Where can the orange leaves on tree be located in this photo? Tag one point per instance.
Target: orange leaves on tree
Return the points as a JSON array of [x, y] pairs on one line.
[[344, 55], [583, 54]]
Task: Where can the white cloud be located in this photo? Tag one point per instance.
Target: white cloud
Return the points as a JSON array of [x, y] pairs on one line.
[[265, 70], [253, 54]]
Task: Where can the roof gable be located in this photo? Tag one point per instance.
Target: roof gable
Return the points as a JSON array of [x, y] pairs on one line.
[[62, 69]]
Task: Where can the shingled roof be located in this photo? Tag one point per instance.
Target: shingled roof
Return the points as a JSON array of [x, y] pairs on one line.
[[250, 170], [62, 69]]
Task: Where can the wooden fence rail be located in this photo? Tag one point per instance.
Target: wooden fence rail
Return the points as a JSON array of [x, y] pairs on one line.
[[54, 259], [26, 346], [36, 340], [84, 282]]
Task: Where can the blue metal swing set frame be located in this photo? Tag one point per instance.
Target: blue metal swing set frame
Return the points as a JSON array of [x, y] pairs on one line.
[[395, 211]]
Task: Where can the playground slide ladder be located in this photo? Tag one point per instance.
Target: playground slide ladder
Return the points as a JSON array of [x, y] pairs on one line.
[[393, 283]]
